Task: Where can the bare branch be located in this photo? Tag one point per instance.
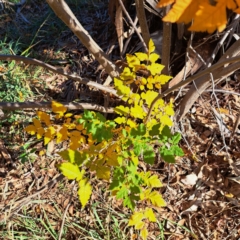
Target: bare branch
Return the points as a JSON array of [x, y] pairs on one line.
[[70, 106], [63, 11], [142, 20], [75, 77]]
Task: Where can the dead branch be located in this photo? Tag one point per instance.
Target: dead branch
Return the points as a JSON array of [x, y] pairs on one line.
[[70, 106], [63, 11], [142, 20], [33, 61], [203, 82]]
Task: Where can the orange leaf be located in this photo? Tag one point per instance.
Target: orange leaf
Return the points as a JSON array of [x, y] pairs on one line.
[[178, 9], [58, 108], [205, 16], [62, 135], [164, 3], [209, 18], [49, 135], [44, 117], [31, 129], [37, 123]]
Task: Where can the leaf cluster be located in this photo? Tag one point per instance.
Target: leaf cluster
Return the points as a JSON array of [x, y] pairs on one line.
[[112, 150]]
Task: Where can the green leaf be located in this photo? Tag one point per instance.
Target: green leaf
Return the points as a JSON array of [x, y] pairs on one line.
[[139, 131], [129, 202], [71, 171], [135, 190], [166, 132], [122, 193], [167, 155], [88, 115], [137, 148], [72, 156], [100, 131], [84, 191], [155, 130], [149, 155], [177, 151], [124, 132], [100, 117], [176, 138], [118, 178]]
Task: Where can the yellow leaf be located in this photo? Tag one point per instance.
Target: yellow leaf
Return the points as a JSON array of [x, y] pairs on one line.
[[84, 191], [179, 8], [122, 89], [162, 79], [36, 128], [153, 181], [151, 46], [132, 61], [229, 195], [127, 74], [142, 56], [156, 199], [44, 117], [137, 112], [166, 120], [102, 172], [150, 215], [144, 233], [58, 108], [134, 159], [73, 156], [21, 96], [155, 68], [131, 123], [121, 110], [169, 110], [149, 96], [68, 115], [111, 156], [71, 171], [153, 57], [230, 4], [120, 120], [136, 220], [42, 152], [76, 140]]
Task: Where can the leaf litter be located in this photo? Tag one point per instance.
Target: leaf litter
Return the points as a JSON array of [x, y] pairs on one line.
[[201, 190]]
